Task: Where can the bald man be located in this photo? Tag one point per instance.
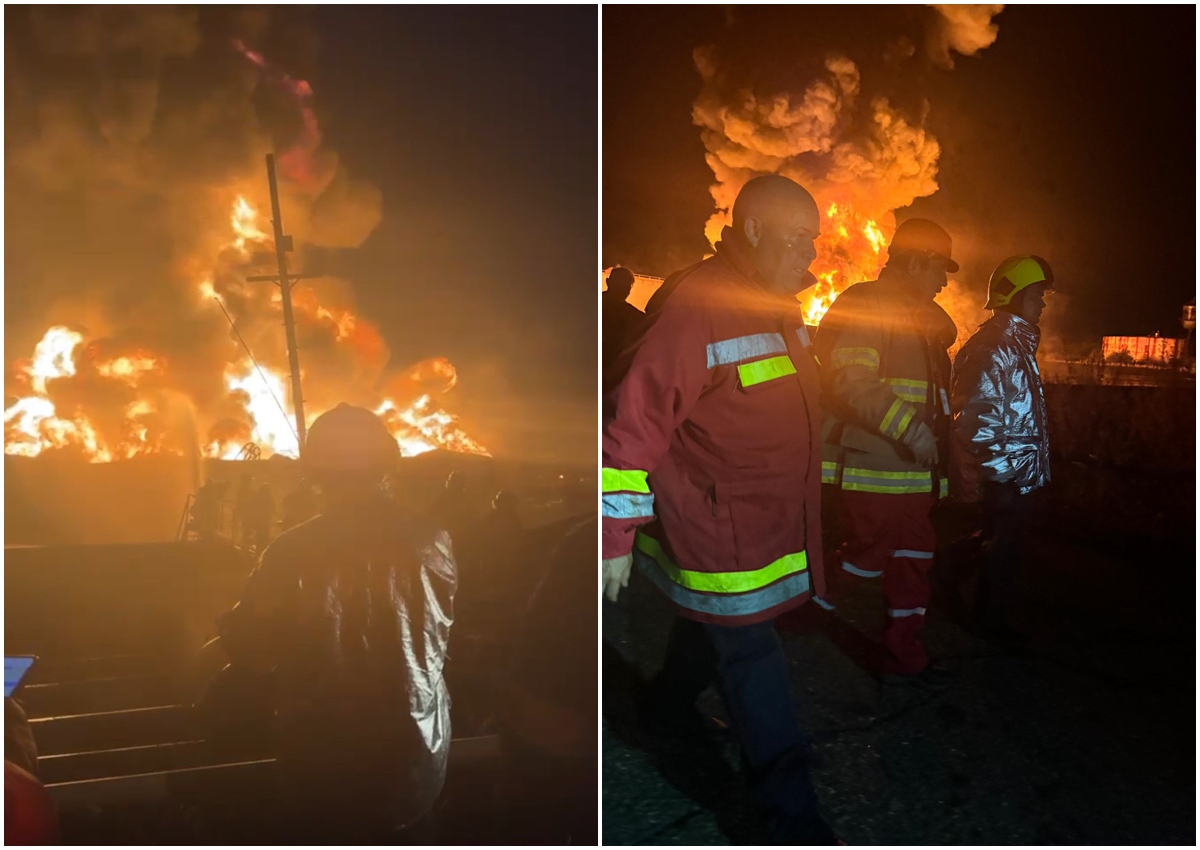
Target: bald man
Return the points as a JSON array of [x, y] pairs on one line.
[[711, 485]]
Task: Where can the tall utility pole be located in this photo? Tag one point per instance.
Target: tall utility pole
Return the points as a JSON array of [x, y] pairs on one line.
[[283, 244]]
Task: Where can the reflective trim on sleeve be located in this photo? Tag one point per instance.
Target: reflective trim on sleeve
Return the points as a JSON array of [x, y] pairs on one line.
[[742, 348], [896, 419], [843, 357], [802, 335], [911, 553], [627, 506], [905, 612], [855, 571], [761, 371], [943, 489], [829, 471], [914, 391], [732, 582], [879, 481], [945, 401], [615, 480], [655, 566], [821, 603]]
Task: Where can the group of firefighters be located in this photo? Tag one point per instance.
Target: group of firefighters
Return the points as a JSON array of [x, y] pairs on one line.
[[724, 422], [254, 516]]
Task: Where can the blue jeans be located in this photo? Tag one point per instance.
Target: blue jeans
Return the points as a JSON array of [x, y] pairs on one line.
[[751, 674]]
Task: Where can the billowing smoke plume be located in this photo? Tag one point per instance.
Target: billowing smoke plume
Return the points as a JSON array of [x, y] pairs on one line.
[[860, 155], [860, 165], [137, 207], [965, 29]]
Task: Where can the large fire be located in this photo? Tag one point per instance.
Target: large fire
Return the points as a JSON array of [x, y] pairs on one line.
[[48, 415], [852, 248]]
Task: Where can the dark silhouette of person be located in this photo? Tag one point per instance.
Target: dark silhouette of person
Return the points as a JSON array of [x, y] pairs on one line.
[[206, 509], [351, 613], [549, 716], [621, 322]]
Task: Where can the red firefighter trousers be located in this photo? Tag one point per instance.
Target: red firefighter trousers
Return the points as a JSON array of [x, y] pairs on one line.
[[891, 536]]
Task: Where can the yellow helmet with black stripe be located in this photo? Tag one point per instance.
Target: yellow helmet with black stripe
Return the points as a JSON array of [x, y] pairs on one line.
[[1014, 275]]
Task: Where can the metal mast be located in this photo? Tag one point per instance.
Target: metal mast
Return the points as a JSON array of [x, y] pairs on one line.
[[283, 244]]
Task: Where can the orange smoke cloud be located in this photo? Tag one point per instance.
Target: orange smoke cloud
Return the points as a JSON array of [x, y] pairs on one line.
[[861, 162], [161, 185]]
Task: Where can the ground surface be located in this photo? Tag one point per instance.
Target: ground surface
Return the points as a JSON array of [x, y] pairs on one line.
[[1087, 739]]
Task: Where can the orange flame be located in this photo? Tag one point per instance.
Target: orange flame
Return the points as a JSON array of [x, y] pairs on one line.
[[33, 424], [851, 248], [52, 358], [245, 224]]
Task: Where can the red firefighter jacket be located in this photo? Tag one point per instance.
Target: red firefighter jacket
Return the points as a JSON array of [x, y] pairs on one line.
[[711, 448], [884, 368]]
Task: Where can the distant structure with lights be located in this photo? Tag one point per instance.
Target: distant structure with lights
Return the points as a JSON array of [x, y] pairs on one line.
[[1157, 349]]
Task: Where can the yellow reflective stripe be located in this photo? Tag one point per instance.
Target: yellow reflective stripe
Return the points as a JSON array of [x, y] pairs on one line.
[[843, 357], [885, 481], [829, 470], [765, 370], [904, 420], [943, 488], [632, 480], [907, 475], [886, 488], [887, 426], [740, 582], [914, 391]]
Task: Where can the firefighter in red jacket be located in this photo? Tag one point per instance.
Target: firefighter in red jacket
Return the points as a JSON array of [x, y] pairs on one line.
[[711, 485], [882, 347]]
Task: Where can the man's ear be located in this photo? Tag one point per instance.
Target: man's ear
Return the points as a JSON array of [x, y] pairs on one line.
[[753, 231]]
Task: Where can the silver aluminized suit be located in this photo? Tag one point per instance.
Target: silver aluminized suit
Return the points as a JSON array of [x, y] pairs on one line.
[[352, 611], [999, 431]]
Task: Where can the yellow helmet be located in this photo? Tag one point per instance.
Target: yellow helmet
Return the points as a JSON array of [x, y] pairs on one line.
[[1015, 274]]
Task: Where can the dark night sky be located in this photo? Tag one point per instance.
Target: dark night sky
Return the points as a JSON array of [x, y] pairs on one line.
[[1072, 136], [129, 130], [479, 125]]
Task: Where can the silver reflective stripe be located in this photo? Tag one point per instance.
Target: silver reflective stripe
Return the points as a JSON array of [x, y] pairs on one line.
[[945, 401], [822, 603], [905, 612], [723, 605], [627, 505], [802, 335], [741, 348], [911, 553], [855, 571]]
